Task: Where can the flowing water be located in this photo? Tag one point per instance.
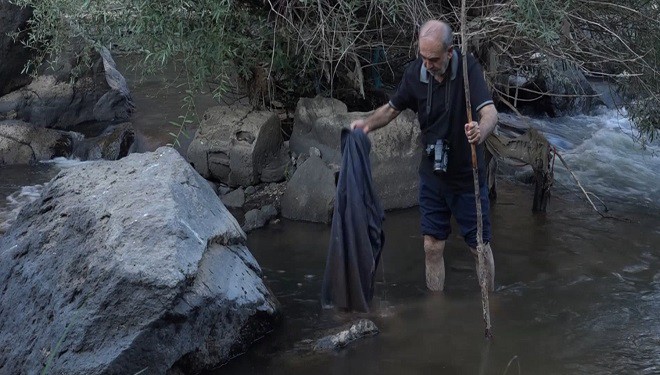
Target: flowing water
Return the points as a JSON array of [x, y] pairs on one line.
[[576, 293]]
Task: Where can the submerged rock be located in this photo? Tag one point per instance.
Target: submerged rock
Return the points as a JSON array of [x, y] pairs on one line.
[[257, 218], [361, 328], [124, 266]]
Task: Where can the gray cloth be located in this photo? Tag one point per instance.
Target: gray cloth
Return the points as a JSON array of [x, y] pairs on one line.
[[357, 235]]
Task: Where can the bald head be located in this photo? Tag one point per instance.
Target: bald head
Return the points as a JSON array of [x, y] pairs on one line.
[[438, 31]]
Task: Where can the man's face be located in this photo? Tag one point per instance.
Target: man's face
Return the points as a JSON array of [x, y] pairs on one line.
[[434, 56]]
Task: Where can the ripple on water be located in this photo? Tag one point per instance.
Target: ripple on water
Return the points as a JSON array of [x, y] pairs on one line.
[[62, 162], [15, 202]]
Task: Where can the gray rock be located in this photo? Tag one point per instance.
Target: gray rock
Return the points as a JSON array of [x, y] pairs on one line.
[[234, 199], [213, 186], [395, 154], [257, 218], [250, 190], [608, 93], [113, 106], [315, 151], [253, 220], [362, 328], [277, 167], [310, 194], [568, 90], [233, 144], [269, 211], [318, 123], [395, 151], [23, 143], [223, 189], [51, 103], [115, 143], [117, 103], [126, 265]]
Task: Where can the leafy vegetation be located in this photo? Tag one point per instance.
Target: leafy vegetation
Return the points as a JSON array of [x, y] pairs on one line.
[[283, 49]]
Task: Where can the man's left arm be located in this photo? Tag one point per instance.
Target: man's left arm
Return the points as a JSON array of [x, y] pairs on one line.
[[477, 132]]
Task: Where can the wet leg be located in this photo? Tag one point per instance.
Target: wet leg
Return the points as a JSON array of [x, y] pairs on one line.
[[435, 263]]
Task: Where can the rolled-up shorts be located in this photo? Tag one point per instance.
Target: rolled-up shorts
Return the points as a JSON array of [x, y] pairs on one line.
[[437, 203]]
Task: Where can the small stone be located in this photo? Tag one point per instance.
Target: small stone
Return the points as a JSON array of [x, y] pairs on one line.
[[234, 199], [250, 190], [223, 189], [314, 151], [269, 211], [361, 328]]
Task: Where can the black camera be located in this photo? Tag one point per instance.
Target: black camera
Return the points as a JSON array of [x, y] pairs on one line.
[[440, 153]]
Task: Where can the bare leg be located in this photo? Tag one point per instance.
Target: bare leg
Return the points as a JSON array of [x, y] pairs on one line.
[[435, 263], [490, 265]]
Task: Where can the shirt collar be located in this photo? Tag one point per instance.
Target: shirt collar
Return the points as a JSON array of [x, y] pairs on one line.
[[423, 73]]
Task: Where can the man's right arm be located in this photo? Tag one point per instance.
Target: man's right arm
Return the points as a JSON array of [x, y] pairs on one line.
[[381, 117]]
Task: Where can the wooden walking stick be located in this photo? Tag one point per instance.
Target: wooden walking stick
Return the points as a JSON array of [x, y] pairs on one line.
[[482, 273]]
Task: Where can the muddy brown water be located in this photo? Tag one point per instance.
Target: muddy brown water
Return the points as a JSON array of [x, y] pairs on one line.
[[576, 293]]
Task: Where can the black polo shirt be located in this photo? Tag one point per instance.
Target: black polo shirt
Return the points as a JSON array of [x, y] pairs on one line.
[[446, 115]]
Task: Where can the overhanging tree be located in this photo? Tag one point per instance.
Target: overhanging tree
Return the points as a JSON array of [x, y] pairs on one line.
[[281, 49]]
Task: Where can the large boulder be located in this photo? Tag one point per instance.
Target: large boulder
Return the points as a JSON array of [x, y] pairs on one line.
[[23, 143], [395, 153], [58, 99], [553, 87], [233, 145], [13, 56], [310, 193], [124, 266], [50, 103]]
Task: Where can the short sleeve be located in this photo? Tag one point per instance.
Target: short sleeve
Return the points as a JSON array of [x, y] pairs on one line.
[[479, 93], [403, 98]]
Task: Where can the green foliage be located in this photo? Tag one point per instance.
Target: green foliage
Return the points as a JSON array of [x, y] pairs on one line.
[[281, 49], [645, 113], [618, 41], [540, 20], [213, 43], [183, 120]]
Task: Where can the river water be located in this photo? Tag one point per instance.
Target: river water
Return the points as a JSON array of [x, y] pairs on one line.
[[576, 293]]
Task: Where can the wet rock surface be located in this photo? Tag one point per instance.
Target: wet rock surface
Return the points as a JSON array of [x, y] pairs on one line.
[[116, 142], [335, 341], [23, 143], [128, 265]]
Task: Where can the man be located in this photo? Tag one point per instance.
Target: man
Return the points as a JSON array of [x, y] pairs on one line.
[[433, 87]]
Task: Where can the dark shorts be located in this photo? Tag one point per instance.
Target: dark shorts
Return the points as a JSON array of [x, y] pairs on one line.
[[437, 204]]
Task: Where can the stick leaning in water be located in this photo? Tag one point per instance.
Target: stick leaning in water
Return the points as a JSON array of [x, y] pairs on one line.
[[482, 273]]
